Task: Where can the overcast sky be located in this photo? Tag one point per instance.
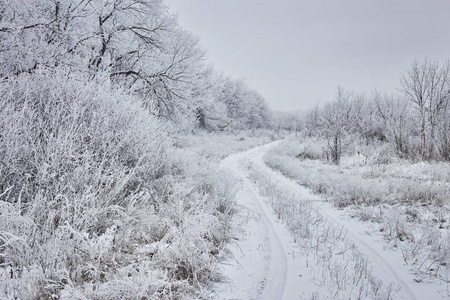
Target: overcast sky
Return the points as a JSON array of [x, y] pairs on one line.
[[296, 53]]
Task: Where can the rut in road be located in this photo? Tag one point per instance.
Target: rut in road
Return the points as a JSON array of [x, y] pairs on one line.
[[263, 266]]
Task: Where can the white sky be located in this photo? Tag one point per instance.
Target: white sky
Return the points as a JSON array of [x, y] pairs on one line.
[[296, 53]]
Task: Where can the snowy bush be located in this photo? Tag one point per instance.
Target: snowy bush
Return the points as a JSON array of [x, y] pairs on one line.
[[95, 203]]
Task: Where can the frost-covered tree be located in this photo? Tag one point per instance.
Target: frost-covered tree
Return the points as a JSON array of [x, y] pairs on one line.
[[312, 121], [244, 107], [394, 113], [337, 122], [427, 88], [291, 122], [137, 41], [443, 135]]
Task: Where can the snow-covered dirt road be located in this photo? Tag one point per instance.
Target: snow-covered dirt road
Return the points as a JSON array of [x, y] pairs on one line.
[[268, 264]]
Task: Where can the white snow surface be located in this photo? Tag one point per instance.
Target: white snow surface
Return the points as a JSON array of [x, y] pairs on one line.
[[266, 261]]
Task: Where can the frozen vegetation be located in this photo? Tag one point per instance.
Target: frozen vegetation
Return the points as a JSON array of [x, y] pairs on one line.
[[96, 201], [131, 169]]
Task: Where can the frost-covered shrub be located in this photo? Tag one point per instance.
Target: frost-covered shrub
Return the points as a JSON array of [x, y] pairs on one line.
[[311, 150], [73, 154], [95, 202], [381, 155], [421, 193], [59, 130]]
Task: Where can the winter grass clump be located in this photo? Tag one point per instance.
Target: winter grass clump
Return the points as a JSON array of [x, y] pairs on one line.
[[96, 203], [408, 200]]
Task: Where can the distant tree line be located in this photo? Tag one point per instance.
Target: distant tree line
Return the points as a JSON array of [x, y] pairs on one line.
[[416, 122]]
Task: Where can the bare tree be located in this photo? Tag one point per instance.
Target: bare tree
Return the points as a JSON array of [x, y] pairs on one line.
[[427, 87], [439, 97], [414, 85], [443, 136], [312, 121], [337, 121], [393, 111]]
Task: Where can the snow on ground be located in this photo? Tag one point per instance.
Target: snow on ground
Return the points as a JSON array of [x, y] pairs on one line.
[[267, 264]]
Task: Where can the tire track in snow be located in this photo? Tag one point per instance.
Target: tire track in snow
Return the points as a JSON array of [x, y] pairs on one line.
[[380, 266], [275, 280], [271, 284]]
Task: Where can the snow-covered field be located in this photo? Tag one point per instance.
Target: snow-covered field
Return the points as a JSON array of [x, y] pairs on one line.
[[349, 234], [294, 245]]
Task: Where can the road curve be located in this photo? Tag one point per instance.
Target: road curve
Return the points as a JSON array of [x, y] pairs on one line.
[[265, 264]]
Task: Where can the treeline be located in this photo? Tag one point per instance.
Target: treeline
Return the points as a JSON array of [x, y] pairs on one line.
[[141, 48], [414, 122]]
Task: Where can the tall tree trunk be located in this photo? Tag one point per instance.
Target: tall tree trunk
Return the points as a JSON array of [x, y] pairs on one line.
[[423, 143]]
